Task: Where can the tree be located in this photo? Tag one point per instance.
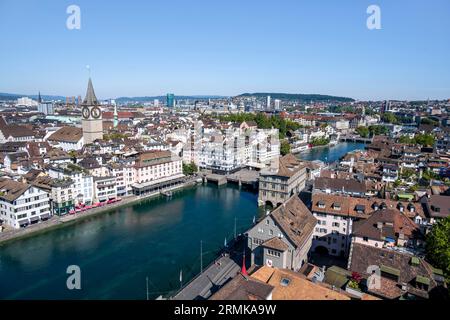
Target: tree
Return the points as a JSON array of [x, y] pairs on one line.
[[363, 131], [389, 118], [438, 246], [189, 168], [426, 139], [285, 147]]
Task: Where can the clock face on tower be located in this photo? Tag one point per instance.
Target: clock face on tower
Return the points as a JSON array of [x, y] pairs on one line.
[[96, 112], [85, 112]]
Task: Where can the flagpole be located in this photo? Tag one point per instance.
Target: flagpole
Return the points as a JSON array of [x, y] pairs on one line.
[[146, 280], [201, 256]]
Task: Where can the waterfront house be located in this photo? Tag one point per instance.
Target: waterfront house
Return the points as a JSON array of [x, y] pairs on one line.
[[155, 170], [278, 184], [283, 238], [105, 188], [22, 204]]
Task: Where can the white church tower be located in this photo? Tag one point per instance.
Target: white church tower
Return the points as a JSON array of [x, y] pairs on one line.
[[92, 116]]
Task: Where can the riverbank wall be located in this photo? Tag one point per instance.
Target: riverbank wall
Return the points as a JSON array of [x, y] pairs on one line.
[[56, 222]]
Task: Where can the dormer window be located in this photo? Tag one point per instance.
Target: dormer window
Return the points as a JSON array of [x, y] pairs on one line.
[[360, 208], [321, 204], [375, 206], [411, 208], [336, 206], [435, 209], [383, 206], [401, 207]]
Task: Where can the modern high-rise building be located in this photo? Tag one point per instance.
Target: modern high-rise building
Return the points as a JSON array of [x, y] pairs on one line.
[[92, 116], [170, 100], [277, 104], [268, 102]]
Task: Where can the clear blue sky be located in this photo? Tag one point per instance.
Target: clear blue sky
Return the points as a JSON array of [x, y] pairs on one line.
[[227, 47]]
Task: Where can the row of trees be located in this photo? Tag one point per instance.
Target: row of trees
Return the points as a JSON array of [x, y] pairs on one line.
[[371, 131], [425, 139], [320, 141], [264, 122]]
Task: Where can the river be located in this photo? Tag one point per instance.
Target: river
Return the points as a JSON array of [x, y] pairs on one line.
[[117, 250], [330, 154]]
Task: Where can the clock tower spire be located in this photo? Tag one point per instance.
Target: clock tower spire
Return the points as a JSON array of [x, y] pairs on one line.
[[91, 116]]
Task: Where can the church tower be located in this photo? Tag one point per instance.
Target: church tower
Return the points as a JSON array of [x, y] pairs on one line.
[[92, 116]]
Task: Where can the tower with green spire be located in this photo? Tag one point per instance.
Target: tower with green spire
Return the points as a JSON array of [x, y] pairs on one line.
[[116, 116]]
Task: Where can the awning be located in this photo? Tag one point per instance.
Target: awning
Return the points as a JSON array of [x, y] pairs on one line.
[[23, 222], [45, 216]]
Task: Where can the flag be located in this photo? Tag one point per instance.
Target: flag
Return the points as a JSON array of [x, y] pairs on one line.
[[254, 219], [225, 242], [181, 275], [244, 270]]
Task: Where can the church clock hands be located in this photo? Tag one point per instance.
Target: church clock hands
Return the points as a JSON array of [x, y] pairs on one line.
[[96, 112], [85, 112]]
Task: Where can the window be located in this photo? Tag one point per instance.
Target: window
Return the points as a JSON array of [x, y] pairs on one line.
[[271, 232]]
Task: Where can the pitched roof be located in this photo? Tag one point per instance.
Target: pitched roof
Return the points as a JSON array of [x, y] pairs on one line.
[[295, 220], [90, 99], [296, 286], [13, 130], [67, 134], [387, 223], [288, 166], [347, 185], [351, 206], [243, 288], [275, 243], [438, 206], [10, 190], [364, 256]]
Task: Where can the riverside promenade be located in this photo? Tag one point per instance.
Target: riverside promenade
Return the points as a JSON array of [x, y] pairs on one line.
[[10, 234]]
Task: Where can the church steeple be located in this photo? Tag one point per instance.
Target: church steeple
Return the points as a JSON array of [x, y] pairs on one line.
[[90, 99], [39, 97], [116, 116]]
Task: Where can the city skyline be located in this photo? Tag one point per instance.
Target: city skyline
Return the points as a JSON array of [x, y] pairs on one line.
[[205, 48]]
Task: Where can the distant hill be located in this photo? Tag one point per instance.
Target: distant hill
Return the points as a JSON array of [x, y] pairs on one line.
[[163, 98], [298, 97], [15, 96]]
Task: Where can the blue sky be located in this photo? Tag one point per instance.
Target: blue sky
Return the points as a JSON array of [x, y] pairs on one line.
[[227, 47]]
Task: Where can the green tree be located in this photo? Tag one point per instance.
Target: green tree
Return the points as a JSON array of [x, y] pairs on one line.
[[363, 131], [189, 168], [389, 118], [426, 139], [438, 246], [285, 147]]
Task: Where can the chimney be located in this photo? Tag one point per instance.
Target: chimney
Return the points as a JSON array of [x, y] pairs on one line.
[[380, 225]]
